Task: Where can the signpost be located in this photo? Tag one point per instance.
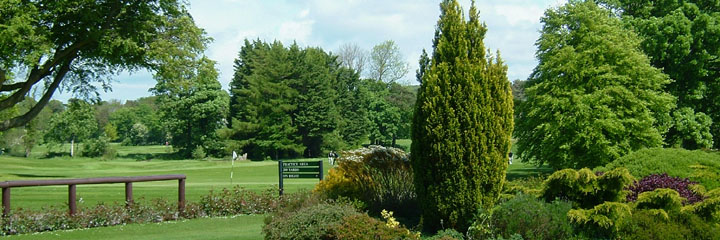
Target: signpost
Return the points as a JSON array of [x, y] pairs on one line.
[[299, 170]]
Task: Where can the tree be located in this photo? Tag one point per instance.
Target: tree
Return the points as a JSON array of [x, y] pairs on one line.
[[315, 114], [594, 96], [387, 63], [351, 103], [70, 44], [261, 101], [193, 106], [683, 39], [351, 56], [76, 124], [462, 123]]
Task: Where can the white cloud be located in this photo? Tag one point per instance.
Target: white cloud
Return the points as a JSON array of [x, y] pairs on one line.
[[513, 27], [295, 30], [304, 13], [516, 14]]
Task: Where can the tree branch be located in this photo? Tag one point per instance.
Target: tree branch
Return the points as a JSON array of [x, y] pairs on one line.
[[10, 87], [35, 110], [65, 55]]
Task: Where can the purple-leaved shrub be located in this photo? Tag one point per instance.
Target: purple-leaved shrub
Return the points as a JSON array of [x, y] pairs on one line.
[[655, 181]]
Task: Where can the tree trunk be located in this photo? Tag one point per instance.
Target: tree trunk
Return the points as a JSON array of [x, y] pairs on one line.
[[393, 141], [72, 147]]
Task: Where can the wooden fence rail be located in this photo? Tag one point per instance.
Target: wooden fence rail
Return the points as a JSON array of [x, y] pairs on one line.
[[7, 185]]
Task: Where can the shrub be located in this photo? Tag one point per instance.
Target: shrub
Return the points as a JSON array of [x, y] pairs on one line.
[[657, 181], [378, 176], [708, 209], [95, 147], [697, 165], [110, 153], [585, 188], [313, 222], [645, 224], [238, 201], [199, 153], [664, 199], [447, 234], [362, 226], [603, 220], [532, 218]]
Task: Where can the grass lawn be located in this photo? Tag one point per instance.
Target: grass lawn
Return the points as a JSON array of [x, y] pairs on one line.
[[238, 227], [202, 176]]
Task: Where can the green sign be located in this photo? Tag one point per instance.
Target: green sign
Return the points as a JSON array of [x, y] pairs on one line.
[[305, 175], [314, 169], [299, 170], [300, 164]]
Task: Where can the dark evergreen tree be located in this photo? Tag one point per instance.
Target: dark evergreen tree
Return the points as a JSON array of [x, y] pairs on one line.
[[462, 123]]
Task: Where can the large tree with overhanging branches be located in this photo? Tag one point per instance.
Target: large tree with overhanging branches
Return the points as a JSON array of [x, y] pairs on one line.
[[79, 45]]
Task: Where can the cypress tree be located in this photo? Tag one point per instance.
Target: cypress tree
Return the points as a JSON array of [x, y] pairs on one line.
[[462, 123]]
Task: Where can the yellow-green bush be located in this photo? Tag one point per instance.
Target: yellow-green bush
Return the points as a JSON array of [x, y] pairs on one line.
[[665, 199], [585, 188], [603, 220], [380, 177]]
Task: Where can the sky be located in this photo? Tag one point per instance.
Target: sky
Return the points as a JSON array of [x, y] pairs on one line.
[[513, 27]]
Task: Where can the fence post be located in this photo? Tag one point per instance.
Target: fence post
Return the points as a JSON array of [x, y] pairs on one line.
[[71, 199], [6, 201], [321, 169], [280, 174], [181, 195], [128, 194]]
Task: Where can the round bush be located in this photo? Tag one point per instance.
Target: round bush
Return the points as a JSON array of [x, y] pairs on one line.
[[313, 222], [533, 218]]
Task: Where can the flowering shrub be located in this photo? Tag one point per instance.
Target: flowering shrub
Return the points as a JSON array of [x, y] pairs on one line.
[[380, 177], [656, 181]]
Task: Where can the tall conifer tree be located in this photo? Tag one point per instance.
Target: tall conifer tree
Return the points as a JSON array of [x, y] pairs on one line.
[[462, 123]]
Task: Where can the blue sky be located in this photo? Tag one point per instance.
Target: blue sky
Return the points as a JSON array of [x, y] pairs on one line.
[[513, 27]]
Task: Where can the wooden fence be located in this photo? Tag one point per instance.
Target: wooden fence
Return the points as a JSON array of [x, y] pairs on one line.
[[7, 185]]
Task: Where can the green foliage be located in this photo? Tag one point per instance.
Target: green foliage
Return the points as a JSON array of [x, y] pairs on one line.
[[193, 106], [76, 124], [80, 45], [709, 209], [594, 97], [138, 134], [290, 115], [699, 166], [379, 177], [586, 189], [462, 123], [646, 224], [604, 220], [95, 147], [664, 199], [362, 226], [681, 38], [199, 153], [387, 63], [313, 222], [532, 218], [691, 130], [447, 234]]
